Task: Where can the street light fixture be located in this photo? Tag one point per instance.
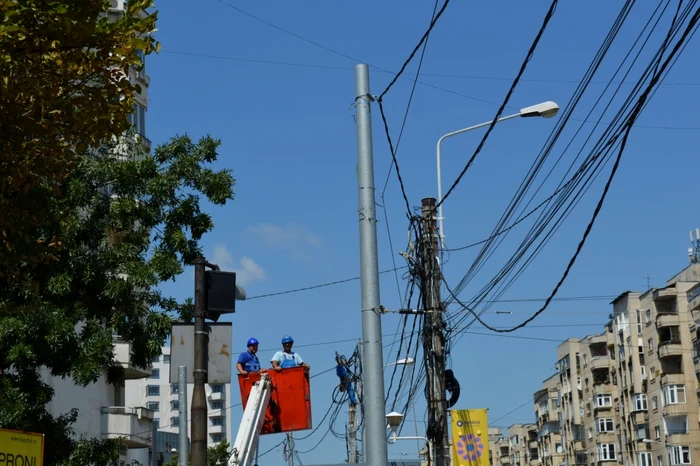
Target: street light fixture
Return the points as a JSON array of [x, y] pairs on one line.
[[401, 362], [545, 110]]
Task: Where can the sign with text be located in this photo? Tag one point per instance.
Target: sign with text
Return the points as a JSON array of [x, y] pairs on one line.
[[470, 437], [21, 448]]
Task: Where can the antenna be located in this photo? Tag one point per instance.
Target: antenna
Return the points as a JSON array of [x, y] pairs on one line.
[[694, 251]]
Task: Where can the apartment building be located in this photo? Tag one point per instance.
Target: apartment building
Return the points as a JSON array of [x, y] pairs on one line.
[[501, 452], [658, 408], [495, 434], [160, 396], [523, 445], [600, 394], [102, 411], [570, 401], [549, 444]]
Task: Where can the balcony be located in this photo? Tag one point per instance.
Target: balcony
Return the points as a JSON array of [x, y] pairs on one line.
[[215, 413], [602, 388], [600, 362], [533, 444], [668, 320], [664, 294], [217, 396], [678, 409], [672, 379], [639, 417], [133, 425], [694, 298], [122, 354], [670, 349], [505, 460], [535, 461], [217, 429]]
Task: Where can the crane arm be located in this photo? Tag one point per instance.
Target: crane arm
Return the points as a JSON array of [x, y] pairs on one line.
[[248, 435]]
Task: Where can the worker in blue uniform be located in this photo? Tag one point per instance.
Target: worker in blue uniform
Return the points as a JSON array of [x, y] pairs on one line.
[[287, 358], [247, 360]]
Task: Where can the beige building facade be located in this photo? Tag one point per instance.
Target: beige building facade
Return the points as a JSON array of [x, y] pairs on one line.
[[549, 443]]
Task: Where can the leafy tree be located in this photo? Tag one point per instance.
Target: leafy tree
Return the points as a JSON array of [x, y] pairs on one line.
[[126, 225], [216, 456], [63, 88]]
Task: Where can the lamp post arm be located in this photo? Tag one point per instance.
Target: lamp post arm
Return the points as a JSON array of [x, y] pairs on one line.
[[439, 161]]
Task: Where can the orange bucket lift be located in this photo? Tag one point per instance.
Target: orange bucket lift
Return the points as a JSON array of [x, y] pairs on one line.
[[273, 402]]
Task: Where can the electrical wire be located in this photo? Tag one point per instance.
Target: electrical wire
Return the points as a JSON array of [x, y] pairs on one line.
[[529, 55], [625, 131]]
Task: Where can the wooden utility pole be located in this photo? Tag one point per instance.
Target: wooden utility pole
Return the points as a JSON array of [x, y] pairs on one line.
[[434, 337]]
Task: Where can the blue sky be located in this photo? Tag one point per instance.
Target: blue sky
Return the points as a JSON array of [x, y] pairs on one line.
[[289, 135]]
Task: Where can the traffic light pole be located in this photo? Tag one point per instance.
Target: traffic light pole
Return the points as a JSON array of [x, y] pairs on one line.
[[201, 344]]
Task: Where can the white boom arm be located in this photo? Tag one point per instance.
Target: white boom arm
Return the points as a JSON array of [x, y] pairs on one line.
[[253, 417]]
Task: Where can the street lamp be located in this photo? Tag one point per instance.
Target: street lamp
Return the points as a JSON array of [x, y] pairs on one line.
[[401, 362], [393, 421], [545, 110]]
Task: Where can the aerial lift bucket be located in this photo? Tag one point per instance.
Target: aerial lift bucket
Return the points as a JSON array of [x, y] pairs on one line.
[[290, 401]]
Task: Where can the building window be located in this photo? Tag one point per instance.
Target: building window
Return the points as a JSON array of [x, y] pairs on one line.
[[640, 402], [590, 433], [647, 315], [605, 425], [174, 389], [155, 373], [216, 438], [606, 452], [175, 421], [153, 406], [166, 358], [217, 421], [153, 390], [657, 432], [218, 388], [674, 394], [602, 400], [645, 459], [156, 359], [650, 343], [641, 350], [660, 460], [639, 322], [174, 405], [679, 455], [138, 119], [655, 402], [217, 405]]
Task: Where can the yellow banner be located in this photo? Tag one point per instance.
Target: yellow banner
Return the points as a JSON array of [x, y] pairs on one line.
[[21, 448], [470, 437]]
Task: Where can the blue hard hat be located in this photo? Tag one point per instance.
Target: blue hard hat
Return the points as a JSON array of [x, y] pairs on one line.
[[287, 339], [252, 342]]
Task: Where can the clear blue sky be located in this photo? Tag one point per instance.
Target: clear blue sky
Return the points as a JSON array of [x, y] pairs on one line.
[[289, 135]]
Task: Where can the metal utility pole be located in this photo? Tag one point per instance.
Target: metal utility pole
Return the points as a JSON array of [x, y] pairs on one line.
[[373, 370], [201, 345], [182, 425], [290, 449], [434, 337], [352, 434]]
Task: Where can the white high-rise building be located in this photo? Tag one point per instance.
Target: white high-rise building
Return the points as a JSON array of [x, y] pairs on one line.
[[160, 396]]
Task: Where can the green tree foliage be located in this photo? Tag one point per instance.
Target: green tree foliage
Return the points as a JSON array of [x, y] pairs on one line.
[[63, 88], [126, 225], [216, 456]]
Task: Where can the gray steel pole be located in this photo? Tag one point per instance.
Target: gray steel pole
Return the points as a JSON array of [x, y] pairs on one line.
[[154, 450], [373, 369], [201, 344], [182, 402]]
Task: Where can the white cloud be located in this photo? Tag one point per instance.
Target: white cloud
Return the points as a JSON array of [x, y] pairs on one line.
[[291, 237], [247, 270]]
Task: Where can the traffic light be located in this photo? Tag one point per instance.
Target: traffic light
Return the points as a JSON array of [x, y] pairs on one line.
[[221, 294]]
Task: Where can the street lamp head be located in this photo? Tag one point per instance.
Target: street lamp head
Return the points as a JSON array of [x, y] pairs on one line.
[[405, 362], [545, 110], [394, 420]]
